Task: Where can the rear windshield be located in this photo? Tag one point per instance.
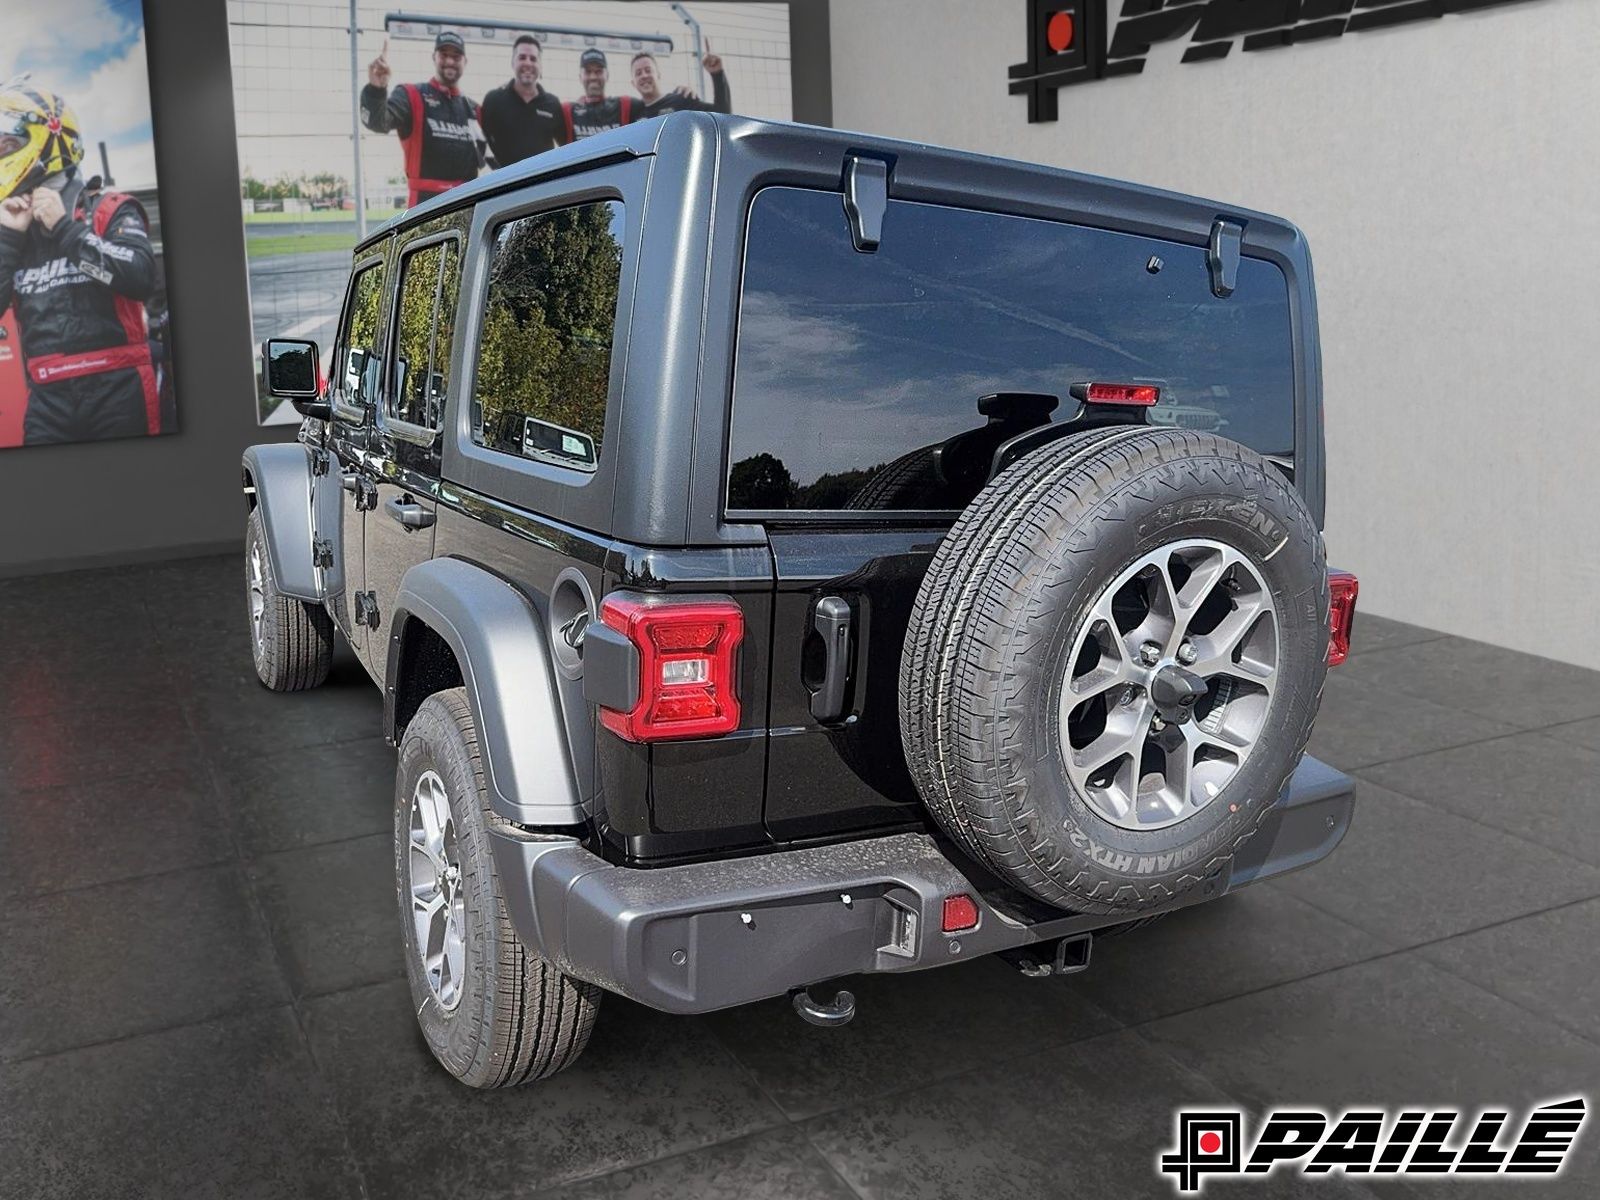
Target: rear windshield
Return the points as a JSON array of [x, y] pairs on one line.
[[857, 374]]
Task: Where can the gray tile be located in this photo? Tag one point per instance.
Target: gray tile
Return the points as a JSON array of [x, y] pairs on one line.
[[309, 794], [332, 912], [132, 957], [1361, 723], [1088, 1119], [648, 1086], [69, 837], [65, 606], [1412, 872], [70, 673], [1545, 963], [1252, 939], [74, 746], [1578, 733], [238, 717], [1381, 633], [1540, 786], [1397, 1031], [779, 1165], [908, 1030], [228, 1108], [1500, 684]]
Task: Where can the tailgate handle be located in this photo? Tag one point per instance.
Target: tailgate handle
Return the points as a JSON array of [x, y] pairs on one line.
[[832, 622]]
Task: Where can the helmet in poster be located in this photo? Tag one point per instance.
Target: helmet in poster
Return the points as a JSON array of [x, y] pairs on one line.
[[38, 138]]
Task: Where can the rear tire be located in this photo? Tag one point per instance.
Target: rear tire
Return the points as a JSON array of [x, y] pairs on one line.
[[291, 640], [493, 1013]]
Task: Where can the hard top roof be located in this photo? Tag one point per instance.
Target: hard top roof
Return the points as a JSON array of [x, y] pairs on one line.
[[678, 132]]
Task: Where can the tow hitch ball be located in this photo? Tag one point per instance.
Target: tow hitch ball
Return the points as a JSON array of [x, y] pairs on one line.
[[1066, 956], [837, 1011]]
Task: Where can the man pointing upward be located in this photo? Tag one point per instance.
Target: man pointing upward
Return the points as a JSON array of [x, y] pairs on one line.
[[438, 126]]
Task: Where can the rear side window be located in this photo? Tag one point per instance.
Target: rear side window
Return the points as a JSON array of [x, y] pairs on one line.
[[544, 355], [356, 372], [857, 375], [429, 285]]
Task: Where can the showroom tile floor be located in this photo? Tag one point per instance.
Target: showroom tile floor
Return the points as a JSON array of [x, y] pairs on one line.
[[200, 992]]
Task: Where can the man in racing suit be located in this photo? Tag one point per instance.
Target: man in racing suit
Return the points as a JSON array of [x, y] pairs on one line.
[[438, 126], [77, 278], [596, 112]]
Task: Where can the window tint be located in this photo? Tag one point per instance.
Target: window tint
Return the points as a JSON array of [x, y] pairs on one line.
[[429, 281], [544, 356], [356, 373], [859, 376]]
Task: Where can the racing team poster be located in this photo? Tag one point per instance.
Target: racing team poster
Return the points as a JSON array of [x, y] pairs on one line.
[[319, 167], [84, 339]]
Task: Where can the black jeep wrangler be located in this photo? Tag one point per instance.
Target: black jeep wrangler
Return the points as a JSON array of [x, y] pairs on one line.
[[787, 554]]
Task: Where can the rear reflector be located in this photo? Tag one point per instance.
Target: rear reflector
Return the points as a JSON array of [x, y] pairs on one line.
[[1341, 614], [960, 912], [688, 653], [1139, 395]]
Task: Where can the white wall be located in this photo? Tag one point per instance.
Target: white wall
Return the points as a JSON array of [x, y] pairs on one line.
[[1447, 175]]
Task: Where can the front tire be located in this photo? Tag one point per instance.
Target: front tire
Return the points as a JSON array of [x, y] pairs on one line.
[[493, 1013], [291, 640]]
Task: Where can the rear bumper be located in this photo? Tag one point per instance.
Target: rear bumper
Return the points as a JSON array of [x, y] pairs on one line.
[[705, 936]]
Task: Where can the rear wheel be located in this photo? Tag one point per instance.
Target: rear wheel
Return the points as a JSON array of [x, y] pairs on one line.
[[291, 640], [493, 1013], [1114, 663]]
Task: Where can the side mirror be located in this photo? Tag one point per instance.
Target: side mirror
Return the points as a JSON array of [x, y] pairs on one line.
[[293, 373]]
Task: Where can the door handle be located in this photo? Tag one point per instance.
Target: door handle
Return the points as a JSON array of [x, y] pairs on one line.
[[409, 513], [832, 621]]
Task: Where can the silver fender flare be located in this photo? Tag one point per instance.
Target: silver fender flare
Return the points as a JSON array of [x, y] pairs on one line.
[[502, 648], [282, 478]]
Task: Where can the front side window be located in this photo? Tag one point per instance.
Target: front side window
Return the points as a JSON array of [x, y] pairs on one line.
[[544, 353], [425, 327], [356, 371], [885, 381]]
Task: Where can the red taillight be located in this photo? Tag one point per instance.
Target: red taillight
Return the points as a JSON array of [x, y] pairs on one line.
[[960, 912], [1138, 394], [687, 658], [1341, 614]]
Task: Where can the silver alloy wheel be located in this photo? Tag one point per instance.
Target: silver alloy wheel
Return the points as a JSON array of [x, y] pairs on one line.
[[438, 903], [1193, 619], [258, 596]]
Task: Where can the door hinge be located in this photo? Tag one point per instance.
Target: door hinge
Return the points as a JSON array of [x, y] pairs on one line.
[[367, 609], [1222, 256], [866, 200], [322, 552], [362, 489]]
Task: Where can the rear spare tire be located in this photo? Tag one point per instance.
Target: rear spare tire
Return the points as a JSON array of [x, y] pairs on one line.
[[1114, 663]]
